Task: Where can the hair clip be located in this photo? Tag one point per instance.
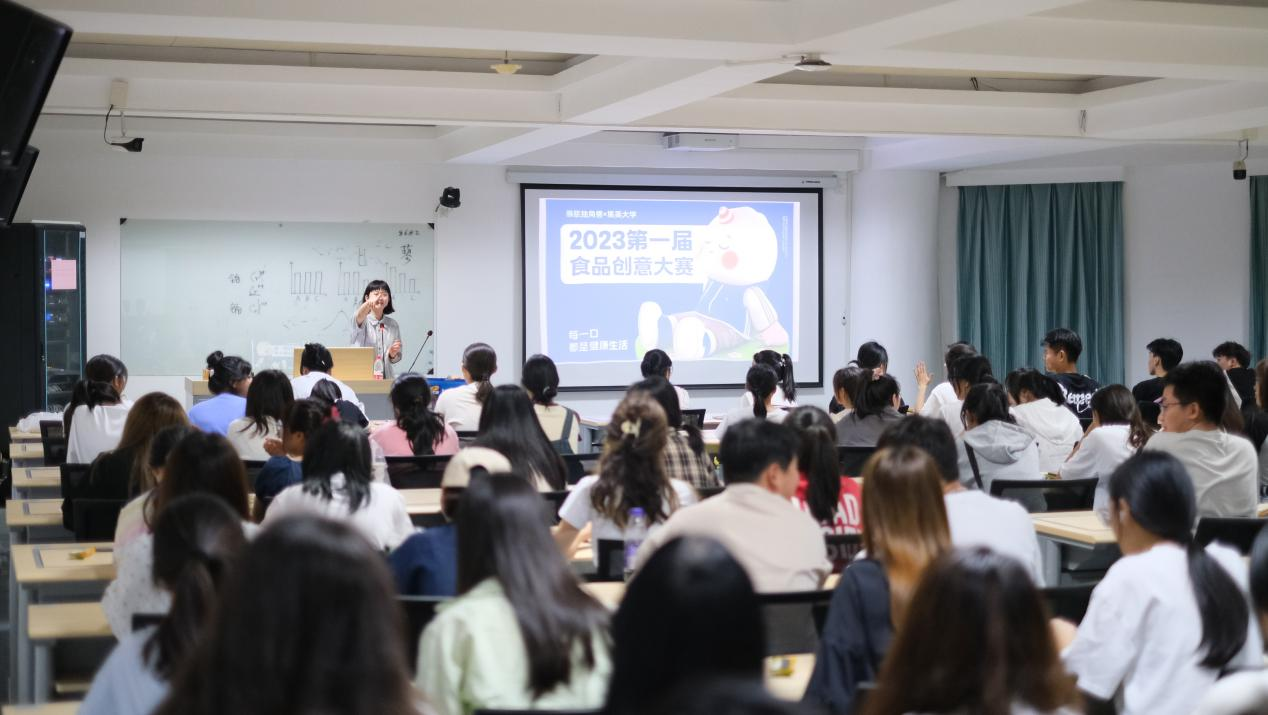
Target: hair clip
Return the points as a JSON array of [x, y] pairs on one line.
[[632, 427]]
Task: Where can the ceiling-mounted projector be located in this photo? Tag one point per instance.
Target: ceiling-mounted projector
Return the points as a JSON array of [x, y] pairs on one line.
[[700, 142]]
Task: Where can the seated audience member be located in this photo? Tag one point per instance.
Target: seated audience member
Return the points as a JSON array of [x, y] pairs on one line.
[[974, 517], [1061, 350], [759, 384], [124, 472], [875, 408], [268, 400], [97, 418], [691, 615], [993, 446], [508, 425], [196, 541], [1116, 433], [337, 485], [964, 374], [631, 477], [904, 530], [461, 406], [1039, 408], [942, 402], [522, 633], [415, 429], [656, 363], [328, 394], [108, 370], [785, 384], [832, 499], [311, 594], [561, 425], [780, 547], [229, 383], [1169, 616], [426, 564], [315, 364], [1246, 692], [201, 463], [1223, 465], [981, 602], [872, 357], [131, 523], [1235, 361], [685, 457], [287, 469], [1164, 355], [846, 383]]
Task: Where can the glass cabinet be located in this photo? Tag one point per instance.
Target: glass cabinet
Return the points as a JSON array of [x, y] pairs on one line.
[[62, 248]]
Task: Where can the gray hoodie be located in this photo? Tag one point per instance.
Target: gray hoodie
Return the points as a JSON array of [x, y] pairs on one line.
[[1003, 451]]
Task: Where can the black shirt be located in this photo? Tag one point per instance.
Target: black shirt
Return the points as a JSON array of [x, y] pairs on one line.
[[855, 638], [1078, 390], [1148, 390]]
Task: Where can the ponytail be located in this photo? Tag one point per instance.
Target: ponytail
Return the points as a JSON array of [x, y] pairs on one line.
[[103, 369], [787, 381], [411, 397], [225, 371], [782, 365], [1159, 493], [817, 458], [760, 382], [876, 396], [481, 362]]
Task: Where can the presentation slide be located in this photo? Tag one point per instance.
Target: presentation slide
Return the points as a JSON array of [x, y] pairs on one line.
[[710, 276]]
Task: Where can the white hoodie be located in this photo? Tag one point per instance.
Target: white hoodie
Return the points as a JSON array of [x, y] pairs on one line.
[[1003, 451], [1054, 427]]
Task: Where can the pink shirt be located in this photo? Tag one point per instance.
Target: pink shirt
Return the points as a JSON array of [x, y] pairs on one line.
[[392, 440]]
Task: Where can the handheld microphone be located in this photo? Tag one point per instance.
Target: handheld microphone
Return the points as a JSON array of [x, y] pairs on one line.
[[420, 351]]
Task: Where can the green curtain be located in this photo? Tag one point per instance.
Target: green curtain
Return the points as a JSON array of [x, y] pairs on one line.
[[1259, 266], [1034, 257]]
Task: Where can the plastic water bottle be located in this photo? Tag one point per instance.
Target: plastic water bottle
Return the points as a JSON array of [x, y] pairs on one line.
[[635, 532], [378, 365]]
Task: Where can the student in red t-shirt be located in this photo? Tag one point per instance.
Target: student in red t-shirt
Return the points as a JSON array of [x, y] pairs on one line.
[[833, 500]]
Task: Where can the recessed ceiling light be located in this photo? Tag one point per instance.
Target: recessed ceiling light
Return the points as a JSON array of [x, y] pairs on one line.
[[812, 63], [506, 66]]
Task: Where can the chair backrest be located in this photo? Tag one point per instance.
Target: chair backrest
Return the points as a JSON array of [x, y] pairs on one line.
[[466, 437], [53, 439], [145, 620], [794, 620], [1238, 533], [95, 519], [708, 492], [842, 548], [420, 472], [253, 467], [693, 418], [580, 465], [1047, 495], [853, 459], [1068, 602], [611, 558], [554, 501], [74, 482], [419, 610]]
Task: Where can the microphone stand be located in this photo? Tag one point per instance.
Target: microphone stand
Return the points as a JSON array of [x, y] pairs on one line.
[[420, 351]]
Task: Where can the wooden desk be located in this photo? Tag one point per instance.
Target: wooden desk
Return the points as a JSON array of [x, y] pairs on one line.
[[16, 435], [790, 687], [1262, 511], [38, 571], [24, 515], [609, 593], [48, 624], [46, 709], [421, 501], [28, 479], [1071, 536], [30, 454]]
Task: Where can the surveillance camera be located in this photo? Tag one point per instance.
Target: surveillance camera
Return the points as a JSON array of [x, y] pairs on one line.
[[451, 198], [132, 146], [1239, 171]]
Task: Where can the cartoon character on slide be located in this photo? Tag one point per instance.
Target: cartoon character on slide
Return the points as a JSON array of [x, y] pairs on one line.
[[738, 255]]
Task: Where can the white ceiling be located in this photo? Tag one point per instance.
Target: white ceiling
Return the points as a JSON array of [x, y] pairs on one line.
[[1057, 81]]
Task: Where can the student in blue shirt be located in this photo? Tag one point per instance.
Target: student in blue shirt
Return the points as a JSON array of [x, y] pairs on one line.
[[426, 564], [286, 466], [229, 382]]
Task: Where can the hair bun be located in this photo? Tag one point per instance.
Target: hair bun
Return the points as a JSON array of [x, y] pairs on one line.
[[214, 359]]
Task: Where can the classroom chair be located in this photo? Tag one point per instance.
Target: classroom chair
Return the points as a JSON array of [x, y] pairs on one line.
[[466, 437], [793, 620], [580, 465], [1238, 533], [842, 549], [853, 459], [1068, 602], [95, 519], [611, 560], [53, 437], [693, 418], [1047, 495], [145, 620], [418, 610], [707, 492], [417, 472], [74, 481], [554, 502], [253, 467]]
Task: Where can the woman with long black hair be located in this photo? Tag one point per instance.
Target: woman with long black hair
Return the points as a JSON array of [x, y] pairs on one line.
[[509, 425], [1169, 617], [835, 501], [760, 386], [97, 403], [417, 429]]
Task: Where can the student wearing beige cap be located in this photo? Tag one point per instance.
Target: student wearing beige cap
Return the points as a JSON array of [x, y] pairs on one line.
[[426, 564]]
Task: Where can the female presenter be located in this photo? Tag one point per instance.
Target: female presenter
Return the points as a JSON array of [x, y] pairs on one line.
[[371, 328]]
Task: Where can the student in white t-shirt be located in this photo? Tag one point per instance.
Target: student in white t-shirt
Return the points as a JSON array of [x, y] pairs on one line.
[[268, 400], [315, 364], [1223, 465], [106, 369], [97, 423], [1245, 692], [631, 476], [656, 363], [1039, 408], [974, 517], [760, 385], [1117, 432], [1169, 616], [461, 406], [943, 401]]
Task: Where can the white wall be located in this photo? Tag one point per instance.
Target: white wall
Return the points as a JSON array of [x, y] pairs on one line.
[[1186, 249], [343, 176]]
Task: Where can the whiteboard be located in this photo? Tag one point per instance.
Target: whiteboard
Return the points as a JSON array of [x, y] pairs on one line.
[[261, 289]]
